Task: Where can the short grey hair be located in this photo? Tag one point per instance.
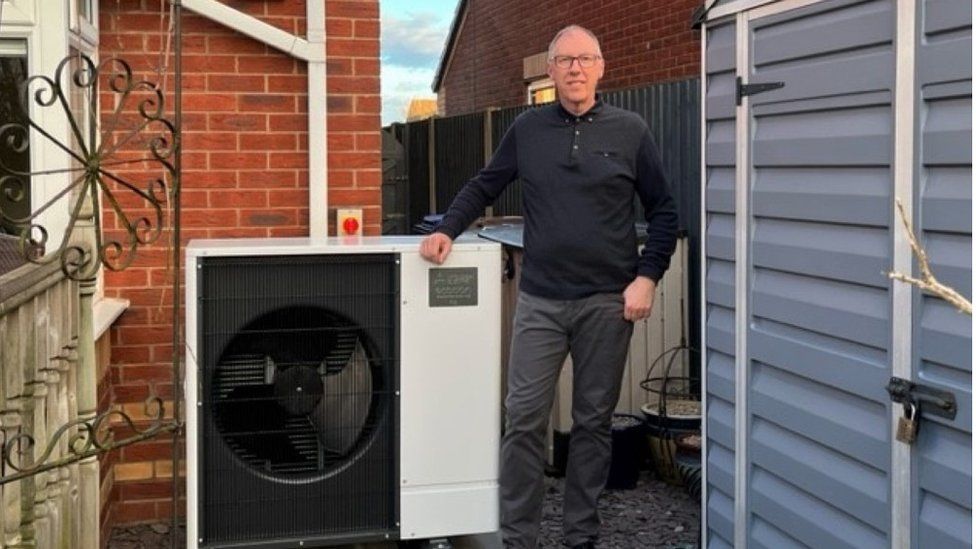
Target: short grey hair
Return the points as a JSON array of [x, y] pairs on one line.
[[567, 30]]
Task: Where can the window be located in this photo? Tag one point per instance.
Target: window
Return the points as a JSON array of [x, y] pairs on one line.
[[83, 24], [13, 72], [542, 91]]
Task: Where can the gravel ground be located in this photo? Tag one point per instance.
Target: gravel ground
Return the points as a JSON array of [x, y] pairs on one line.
[[652, 515]]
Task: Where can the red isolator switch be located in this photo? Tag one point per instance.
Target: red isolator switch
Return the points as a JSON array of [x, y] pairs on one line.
[[349, 222]]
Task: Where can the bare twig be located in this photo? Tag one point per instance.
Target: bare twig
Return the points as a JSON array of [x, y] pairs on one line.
[[928, 282]]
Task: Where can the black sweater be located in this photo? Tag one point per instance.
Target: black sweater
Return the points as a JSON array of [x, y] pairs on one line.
[[579, 175]]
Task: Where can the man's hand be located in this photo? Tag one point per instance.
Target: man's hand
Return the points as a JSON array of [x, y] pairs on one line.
[[639, 298], [436, 247]]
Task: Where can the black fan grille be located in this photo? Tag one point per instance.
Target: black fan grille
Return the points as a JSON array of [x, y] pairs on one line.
[[298, 414]]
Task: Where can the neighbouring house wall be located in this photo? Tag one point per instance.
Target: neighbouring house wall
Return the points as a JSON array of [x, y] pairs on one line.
[[245, 174], [643, 42]]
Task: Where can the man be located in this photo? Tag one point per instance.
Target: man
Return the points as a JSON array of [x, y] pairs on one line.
[[583, 284]]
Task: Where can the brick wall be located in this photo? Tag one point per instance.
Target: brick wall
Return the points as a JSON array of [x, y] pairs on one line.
[[245, 174], [643, 42]]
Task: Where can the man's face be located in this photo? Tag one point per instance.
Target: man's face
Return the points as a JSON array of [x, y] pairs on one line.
[[576, 84]]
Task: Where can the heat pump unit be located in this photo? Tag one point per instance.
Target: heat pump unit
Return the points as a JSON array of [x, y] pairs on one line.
[[340, 391]]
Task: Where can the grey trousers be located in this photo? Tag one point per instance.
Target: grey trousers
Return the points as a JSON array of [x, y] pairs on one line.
[[593, 330]]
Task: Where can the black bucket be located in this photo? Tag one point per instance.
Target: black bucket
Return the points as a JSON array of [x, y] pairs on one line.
[[628, 451]]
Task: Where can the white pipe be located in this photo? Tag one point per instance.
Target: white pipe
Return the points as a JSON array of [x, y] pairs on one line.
[[318, 153], [252, 26]]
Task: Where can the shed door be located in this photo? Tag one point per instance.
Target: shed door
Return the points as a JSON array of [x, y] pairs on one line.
[[797, 255], [818, 313], [941, 343]]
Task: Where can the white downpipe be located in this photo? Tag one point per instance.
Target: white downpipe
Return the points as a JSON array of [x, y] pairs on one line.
[[311, 50], [318, 153]]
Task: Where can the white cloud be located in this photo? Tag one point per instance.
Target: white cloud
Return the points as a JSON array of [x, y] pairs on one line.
[[414, 39], [401, 84]]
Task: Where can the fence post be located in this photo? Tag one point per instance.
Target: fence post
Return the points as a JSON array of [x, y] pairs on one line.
[[432, 165], [89, 494], [490, 210]]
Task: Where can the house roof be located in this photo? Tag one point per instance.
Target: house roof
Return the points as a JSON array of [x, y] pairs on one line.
[[449, 44]]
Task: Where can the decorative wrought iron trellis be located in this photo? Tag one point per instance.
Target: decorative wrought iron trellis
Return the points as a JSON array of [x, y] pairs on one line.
[[136, 135], [98, 156]]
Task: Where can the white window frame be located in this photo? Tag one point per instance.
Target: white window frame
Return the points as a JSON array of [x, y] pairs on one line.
[[84, 31]]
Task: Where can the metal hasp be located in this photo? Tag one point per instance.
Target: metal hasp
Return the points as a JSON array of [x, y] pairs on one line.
[[929, 400], [742, 90]]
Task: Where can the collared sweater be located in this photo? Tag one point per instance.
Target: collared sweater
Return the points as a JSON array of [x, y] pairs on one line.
[[579, 176]]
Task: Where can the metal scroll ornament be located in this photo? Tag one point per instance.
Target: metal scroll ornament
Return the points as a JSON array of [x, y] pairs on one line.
[[79, 439], [135, 142]]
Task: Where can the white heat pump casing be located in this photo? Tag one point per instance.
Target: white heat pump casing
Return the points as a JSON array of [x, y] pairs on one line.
[[450, 381]]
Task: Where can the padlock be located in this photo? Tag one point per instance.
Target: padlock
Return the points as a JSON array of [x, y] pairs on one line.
[[908, 424]]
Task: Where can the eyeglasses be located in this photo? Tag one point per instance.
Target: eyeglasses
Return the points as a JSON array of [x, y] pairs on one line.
[[566, 61]]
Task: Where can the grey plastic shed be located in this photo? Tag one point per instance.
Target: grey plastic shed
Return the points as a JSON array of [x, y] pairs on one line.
[[817, 116]]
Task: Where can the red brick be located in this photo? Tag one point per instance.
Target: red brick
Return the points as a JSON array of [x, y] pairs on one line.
[[338, 27], [354, 84], [210, 179], [353, 198], [130, 393], [129, 355], [245, 199], [287, 160], [287, 122], [358, 10], [208, 102], [210, 63], [342, 141], [132, 374], [238, 122], [235, 83], [140, 335], [366, 67], [270, 142], [344, 47], [266, 103], [210, 218], [369, 178], [271, 179], [147, 451], [209, 141], [288, 83], [368, 141], [354, 159], [340, 178], [235, 45], [287, 197], [339, 104], [365, 28], [129, 278], [353, 122], [286, 7], [219, 160], [269, 217], [158, 489], [339, 67], [266, 64]]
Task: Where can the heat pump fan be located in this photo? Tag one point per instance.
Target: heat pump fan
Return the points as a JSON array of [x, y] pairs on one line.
[[340, 392], [293, 392]]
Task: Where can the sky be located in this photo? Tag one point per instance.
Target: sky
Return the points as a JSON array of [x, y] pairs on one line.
[[411, 41]]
